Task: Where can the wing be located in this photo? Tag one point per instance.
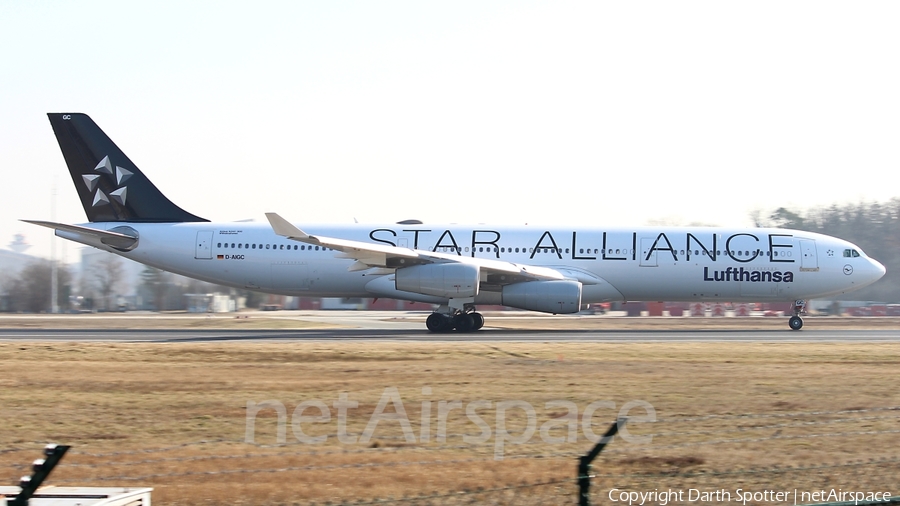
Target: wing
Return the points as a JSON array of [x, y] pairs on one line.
[[370, 255]]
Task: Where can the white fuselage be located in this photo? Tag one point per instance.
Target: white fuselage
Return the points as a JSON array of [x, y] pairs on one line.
[[650, 263]]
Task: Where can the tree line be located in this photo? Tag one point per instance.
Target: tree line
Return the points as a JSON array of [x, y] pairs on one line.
[[102, 289], [873, 226], [29, 291]]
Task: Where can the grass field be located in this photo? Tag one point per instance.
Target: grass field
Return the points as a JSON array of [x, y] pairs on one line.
[[174, 416]]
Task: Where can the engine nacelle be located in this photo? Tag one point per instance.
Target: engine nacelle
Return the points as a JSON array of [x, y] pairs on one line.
[[441, 280], [558, 297]]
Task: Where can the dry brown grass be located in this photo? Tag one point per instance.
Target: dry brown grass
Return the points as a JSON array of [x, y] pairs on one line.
[[104, 398]]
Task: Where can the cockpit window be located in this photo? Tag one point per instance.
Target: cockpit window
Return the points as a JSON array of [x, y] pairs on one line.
[[850, 253]]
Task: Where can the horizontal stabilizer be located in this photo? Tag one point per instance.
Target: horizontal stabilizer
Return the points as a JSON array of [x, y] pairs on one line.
[[114, 239]]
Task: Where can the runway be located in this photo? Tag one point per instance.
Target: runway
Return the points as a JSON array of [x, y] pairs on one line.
[[414, 335]]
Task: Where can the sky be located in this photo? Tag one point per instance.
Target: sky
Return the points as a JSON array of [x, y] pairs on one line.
[[560, 112]]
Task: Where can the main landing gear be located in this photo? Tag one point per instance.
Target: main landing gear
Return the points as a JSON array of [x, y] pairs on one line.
[[799, 307], [461, 321]]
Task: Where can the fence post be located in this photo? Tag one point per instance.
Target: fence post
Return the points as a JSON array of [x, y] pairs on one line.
[[584, 463], [42, 469]]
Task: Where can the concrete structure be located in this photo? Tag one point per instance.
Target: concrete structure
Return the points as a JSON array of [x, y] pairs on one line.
[[82, 496]]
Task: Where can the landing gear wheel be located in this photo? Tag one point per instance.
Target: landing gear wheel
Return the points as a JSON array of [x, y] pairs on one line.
[[464, 322], [795, 322], [479, 320], [437, 322]]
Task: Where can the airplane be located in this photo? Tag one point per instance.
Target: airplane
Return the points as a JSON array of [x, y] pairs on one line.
[[557, 270]]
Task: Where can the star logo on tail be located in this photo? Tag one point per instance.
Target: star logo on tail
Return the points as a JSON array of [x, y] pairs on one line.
[[118, 176]]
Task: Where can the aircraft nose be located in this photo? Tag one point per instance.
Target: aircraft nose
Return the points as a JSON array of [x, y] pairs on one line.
[[879, 269], [874, 272]]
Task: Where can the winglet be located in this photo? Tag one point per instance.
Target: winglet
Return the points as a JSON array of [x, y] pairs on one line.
[[284, 228]]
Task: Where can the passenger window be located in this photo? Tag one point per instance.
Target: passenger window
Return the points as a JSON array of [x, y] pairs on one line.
[[239, 245], [267, 246], [254, 246], [219, 245]]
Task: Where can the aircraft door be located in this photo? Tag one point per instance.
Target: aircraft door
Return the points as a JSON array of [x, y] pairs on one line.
[[809, 261], [203, 250]]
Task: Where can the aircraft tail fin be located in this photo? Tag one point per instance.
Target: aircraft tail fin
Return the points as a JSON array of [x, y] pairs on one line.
[[110, 186]]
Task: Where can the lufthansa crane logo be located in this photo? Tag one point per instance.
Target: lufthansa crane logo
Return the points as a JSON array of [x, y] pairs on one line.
[[119, 176]]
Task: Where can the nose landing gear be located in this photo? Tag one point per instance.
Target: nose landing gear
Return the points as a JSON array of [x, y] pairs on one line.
[[796, 323]]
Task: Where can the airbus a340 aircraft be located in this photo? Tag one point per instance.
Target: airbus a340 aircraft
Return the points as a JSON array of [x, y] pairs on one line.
[[554, 269]]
